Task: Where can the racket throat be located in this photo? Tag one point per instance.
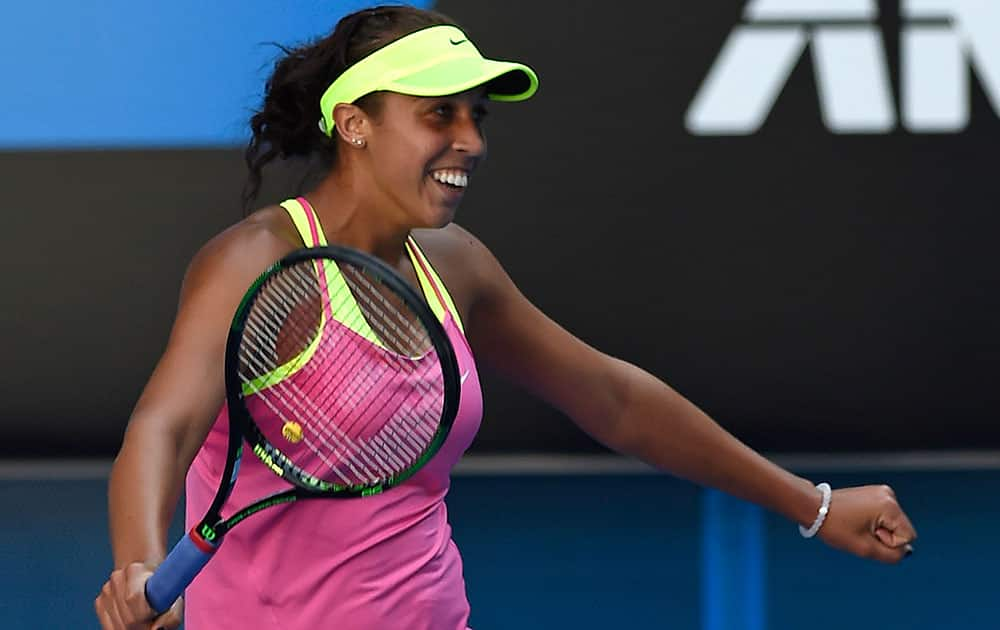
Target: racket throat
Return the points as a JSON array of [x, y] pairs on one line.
[[205, 537]]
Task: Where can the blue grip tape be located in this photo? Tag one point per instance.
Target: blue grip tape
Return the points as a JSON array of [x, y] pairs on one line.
[[180, 567]]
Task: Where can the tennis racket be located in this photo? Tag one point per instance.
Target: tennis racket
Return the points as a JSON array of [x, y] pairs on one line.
[[339, 378]]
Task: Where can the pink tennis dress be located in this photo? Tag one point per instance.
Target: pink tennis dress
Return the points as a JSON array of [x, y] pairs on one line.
[[380, 562]]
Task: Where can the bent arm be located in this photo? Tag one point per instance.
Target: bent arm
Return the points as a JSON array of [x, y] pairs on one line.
[[183, 395]]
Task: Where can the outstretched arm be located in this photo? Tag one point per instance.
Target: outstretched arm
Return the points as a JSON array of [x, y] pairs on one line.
[[633, 412]]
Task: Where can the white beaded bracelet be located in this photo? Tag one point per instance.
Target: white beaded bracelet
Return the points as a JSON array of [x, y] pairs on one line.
[[827, 492]]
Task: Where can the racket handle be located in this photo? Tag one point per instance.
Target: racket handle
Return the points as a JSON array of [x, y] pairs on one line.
[[182, 564]]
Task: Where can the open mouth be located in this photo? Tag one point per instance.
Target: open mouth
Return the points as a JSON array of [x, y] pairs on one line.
[[454, 180]]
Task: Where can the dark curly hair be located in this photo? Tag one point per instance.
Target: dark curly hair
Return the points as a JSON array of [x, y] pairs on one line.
[[286, 124]]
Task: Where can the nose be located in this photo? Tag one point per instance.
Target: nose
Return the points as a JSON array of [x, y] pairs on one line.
[[468, 138]]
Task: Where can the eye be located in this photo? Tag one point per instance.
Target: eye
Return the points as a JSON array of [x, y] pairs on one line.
[[444, 110], [480, 113]]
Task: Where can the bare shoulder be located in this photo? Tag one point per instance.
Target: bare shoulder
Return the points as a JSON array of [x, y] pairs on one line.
[[467, 268], [241, 252], [456, 250], [461, 259]]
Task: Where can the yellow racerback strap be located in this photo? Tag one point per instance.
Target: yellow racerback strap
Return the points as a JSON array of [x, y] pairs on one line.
[[437, 296], [310, 231]]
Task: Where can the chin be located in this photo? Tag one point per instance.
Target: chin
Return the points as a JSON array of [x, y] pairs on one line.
[[442, 218]]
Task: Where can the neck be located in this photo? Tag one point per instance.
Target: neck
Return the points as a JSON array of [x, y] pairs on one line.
[[353, 217]]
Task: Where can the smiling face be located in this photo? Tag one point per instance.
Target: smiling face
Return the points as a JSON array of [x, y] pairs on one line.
[[422, 152]]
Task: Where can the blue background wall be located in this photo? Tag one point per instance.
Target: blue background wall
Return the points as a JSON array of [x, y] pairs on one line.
[[120, 74], [597, 552]]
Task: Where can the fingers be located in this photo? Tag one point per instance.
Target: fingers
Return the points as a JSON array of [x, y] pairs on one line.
[[121, 604], [107, 607], [892, 527], [895, 530], [894, 539], [104, 613], [886, 554], [136, 575], [868, 521], [170, 619], [892, 530]]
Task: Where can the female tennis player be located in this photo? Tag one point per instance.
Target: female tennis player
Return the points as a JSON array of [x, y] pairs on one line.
[[393, 100]]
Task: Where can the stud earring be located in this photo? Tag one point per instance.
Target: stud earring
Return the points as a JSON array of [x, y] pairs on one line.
[[359, 142]]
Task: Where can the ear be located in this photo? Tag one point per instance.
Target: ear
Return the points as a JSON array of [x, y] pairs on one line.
[[351, 122]]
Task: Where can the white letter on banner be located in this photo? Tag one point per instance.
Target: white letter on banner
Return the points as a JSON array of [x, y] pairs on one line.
[[811, 10], [745, 80], [935, 86], [756, 61], [852, 76]]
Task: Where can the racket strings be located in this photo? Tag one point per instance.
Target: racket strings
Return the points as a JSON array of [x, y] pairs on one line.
[[414, 425], [297, 402], [416, 343], [406, 433], [295, 399], [401, 431]]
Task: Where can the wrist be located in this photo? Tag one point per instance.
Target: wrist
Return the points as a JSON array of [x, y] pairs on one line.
[[826, 494], [802, 504]]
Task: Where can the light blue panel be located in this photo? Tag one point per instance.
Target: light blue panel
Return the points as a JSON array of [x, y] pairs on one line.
[[137, 73], [732, 559], [595, 553]]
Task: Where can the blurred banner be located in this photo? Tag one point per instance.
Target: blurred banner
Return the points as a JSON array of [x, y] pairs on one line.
[[785, 209], [121, 73]]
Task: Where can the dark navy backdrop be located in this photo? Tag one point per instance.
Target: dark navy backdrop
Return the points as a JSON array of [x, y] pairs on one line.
[[811, 288]]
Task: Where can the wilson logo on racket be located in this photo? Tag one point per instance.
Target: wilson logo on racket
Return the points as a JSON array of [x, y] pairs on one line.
[[207, 533], [265, 457]]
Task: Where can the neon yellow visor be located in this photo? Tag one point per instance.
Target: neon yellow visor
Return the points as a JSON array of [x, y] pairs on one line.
[[434, 61]]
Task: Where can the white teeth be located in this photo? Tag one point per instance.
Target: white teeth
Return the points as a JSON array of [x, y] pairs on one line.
[[454, 178]]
